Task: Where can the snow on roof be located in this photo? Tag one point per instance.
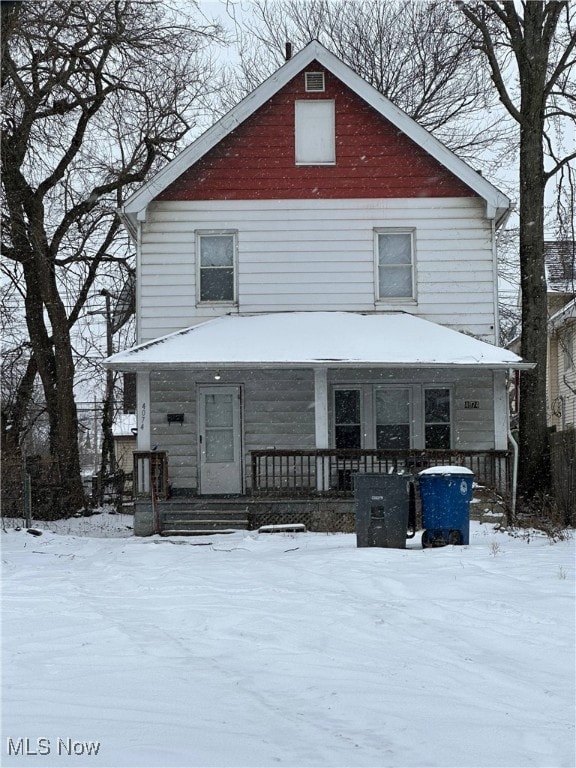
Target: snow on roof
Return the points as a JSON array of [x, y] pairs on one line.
[[564, 315], [560, 262], [318, 339], [124, 424]]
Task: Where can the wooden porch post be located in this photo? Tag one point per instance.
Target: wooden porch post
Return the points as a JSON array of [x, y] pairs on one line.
[[321, 423], [143, 411]]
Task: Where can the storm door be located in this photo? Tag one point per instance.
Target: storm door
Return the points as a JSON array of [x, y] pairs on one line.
[[220, 440]]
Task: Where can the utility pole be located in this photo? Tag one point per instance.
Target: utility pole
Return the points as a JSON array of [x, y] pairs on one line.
[[107, 459]]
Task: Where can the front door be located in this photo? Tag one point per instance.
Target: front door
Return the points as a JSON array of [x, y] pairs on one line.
[[220, 443]]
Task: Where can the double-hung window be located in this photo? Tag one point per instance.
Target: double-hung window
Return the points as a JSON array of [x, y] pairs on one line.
[[394, 264], [392, 418], [216, 254], [347, 418], [437, 431]]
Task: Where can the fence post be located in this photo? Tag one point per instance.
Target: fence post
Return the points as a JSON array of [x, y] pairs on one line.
[[28, 499]]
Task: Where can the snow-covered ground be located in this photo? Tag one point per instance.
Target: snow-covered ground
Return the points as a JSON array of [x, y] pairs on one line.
[[285, 650]]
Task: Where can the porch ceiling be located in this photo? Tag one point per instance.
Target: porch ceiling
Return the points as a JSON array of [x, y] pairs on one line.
[[315, 340]]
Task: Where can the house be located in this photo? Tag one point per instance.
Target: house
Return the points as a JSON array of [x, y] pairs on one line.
[[316, 296], [560, 256]]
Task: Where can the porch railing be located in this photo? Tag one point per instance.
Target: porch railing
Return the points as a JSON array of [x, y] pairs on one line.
[[150, 474], [331, 471]]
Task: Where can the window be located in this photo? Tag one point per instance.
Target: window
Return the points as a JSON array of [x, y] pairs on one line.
[[315, 136], [395, 260], [216, 271], [393, 418], [437, 418], [567, 345], [347, 420]]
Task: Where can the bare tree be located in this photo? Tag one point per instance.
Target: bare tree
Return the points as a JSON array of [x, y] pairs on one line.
[[530, 51], [95, 96]]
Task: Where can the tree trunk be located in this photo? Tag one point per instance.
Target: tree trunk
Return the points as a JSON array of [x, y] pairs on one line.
[[534, 474]]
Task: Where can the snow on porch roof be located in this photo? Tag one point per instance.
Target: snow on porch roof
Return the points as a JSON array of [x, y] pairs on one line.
[[315, 339]]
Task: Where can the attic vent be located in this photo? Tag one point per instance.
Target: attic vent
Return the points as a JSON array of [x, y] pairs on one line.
[[314, 81]]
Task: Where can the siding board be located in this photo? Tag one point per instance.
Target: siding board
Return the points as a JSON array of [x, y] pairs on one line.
[[319, 255]]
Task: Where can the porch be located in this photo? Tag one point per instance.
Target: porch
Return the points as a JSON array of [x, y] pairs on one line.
[[314, 487]]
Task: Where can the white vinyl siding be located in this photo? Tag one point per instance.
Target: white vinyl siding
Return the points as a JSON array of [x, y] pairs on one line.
[[319, 255], [315, 133]]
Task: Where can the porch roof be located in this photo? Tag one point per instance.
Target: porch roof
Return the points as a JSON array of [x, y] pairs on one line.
[[315, 340]]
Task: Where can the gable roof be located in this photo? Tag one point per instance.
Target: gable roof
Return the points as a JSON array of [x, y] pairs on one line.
[[560, 259], [316, 339], [497, 204]]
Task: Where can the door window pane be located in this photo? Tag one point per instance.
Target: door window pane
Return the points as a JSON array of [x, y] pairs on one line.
[[348, 433], [219, 445], [219, 410], [395, 255], [437, 418], [219, 423], [216, 267], [393, 418]]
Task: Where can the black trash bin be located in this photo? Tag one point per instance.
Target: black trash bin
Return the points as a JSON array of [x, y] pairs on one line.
[[385, 510]]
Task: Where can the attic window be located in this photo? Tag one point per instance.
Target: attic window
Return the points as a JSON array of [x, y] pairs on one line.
[[315, 132], [314, 82]]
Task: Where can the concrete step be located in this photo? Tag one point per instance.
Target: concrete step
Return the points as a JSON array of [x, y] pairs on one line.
[[202, 503], [206, 522], [205, 532], [202, 514]]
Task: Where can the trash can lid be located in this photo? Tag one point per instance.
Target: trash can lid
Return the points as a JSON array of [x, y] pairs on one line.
[[447, 470]]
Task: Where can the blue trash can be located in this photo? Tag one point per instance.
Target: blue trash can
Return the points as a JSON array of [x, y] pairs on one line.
[[445, 494]]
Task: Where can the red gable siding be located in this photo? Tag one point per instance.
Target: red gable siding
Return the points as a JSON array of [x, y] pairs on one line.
[[373, 158]]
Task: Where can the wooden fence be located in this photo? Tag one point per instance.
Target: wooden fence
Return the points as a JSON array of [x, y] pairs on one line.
[[563, 461]]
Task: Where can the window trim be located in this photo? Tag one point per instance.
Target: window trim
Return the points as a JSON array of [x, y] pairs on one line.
[[330, 102], [447, 387], [199, 234], [346, 387], [416, 406], [309, 76], [412, 394], [380, 300]]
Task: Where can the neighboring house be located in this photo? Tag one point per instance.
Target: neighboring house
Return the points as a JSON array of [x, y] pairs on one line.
[[316, 295], [562, 367], [560, 258], [124, 431]]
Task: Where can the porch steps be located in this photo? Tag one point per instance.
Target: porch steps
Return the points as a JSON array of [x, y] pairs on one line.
[[191, 518]]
